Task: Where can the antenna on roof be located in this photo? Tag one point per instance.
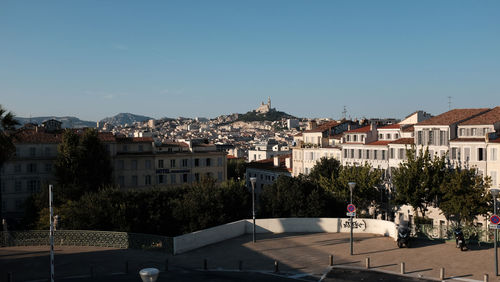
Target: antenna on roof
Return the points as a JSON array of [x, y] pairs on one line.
[[344, 112], [449, 103]]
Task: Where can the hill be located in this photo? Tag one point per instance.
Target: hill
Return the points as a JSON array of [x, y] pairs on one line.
[[125, 118], [67, 122], [272, 115]]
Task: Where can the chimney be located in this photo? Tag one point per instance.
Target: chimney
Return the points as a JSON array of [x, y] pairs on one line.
[[276, 161], [348, 126]]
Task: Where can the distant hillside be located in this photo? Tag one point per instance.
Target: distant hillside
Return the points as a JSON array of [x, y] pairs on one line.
[[125, 118], [67, 122], [272, 115]]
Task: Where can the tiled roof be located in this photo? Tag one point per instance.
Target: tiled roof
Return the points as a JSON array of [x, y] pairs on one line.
[[323, 127], [410, 128], [298, 134], [490, 117], [391, 126], [174, 144], [268, 164], [468, 140], [336, 136], [360, 130], [33, 137], [453, 116], [380, 143], [404, 141]]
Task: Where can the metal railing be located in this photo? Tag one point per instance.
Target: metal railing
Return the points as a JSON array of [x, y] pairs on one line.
[[475, 233], [122, 240]]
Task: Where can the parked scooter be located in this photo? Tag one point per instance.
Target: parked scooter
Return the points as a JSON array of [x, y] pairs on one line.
[[460, 239], [403, 236]]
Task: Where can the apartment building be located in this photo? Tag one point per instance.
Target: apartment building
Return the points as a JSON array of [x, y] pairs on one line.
[[137, 162], [267, 171], [316, 143], [266, 150]]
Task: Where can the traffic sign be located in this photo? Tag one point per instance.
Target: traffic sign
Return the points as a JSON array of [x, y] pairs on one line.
[[351, 208], [494, 226], [351, 214], [495, 219]]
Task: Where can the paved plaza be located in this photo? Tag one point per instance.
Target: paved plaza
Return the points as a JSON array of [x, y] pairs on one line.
[[301, 256]]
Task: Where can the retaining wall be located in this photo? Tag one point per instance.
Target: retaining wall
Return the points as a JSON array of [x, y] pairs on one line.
[[198, 239]]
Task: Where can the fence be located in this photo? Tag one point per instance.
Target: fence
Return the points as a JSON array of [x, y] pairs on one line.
[[121, 240], [474, 233]]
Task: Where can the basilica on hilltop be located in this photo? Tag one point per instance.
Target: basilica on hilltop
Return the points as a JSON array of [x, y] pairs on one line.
[[264, 108]]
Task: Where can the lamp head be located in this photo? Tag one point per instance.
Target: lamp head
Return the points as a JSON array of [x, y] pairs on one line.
[[253, 180], [494, 191], [351, 185]]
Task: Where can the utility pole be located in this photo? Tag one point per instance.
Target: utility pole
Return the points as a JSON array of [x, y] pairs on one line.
[[449, 103], [344, 112]]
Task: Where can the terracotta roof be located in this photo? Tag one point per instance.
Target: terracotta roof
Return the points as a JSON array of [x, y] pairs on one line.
[[453, 116], [106, 137], [134, 140], [468, 140], [298, 134], [380, 143], [174, 144], [497, 140], [360, 130], [490, 117], [268, 164], [33, 137], [230, 157], [410, 128], [390, 126], [404, 141], [336, 136], [323, 127]]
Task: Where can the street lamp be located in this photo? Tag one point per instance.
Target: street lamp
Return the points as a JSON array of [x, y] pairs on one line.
[[351, 187], [494, 192], [253, 180]]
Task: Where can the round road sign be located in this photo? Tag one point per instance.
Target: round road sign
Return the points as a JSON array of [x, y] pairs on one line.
[[495, 219], [351, 208]]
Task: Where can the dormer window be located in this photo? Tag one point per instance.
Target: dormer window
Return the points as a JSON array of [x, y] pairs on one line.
[[388, 136], [348, 137], [381, 136], [355, 138]]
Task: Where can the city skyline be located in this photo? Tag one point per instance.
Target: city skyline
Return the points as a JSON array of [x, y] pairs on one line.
[[167, 59]]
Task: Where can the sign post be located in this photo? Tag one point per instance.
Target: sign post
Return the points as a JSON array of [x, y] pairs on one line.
[[51, 235], [351, 212]]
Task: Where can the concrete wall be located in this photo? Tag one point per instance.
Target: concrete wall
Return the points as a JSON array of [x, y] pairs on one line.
[[220, 233], [198, 239]]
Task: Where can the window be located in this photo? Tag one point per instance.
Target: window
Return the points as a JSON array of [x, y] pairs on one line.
[[355, 138], [197, 163], [121, 164], [391, 153], [467, 154], [396, 136], [209, 161], [360, 153], [462, 131], [135, 181], [141, 148], [388, 136], [454, 153], [160, 163], [362, 138], [375, 152], [160, 179], [345, 153], [32, 151], [184, 162], [184, 178], [383, 155], [173, 178], [381, 136], [197, 177], [493, 154], [367, 154], [147, 180], [402, 154], [419, 137], [442, 140], [348, 137], [125, 148], [18, 185], [431, 138], [480, 154], [172, 163], [121, 180], [352, 153], [32, 168], [17, 168], [219, 175], [48, 167], [19, 204], [493, 175], [133, 164], [147, 164], [474, 131], [47, 151], [219, 161]]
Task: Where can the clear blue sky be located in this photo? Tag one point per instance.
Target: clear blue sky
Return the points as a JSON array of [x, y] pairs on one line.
[[93, 59]]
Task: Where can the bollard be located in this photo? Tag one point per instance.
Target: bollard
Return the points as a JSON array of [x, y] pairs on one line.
[[126, 267], [402, 268], [166, 265], [485, 279], [9, 277], [331, 260], [441, 273], [205, 264], [240, 265], [367, 263], [276, 266]]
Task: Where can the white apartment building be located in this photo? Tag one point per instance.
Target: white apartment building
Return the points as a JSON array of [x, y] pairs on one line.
[[267, 150], [267, 171]]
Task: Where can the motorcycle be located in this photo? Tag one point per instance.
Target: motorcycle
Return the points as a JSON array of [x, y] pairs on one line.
[[460, 239], [403, 236]]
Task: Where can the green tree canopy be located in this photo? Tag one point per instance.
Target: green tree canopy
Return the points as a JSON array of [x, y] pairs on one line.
[[7, 148], [82, 164]]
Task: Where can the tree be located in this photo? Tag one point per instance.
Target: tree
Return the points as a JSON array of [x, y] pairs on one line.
[[417, 180], [7, 148], [464, 195], [82, 164], [236, 168], [326, 168]]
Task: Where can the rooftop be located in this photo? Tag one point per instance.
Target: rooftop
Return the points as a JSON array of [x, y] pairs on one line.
[[360, 130], [490, 117], [408, 141], [453, 116]]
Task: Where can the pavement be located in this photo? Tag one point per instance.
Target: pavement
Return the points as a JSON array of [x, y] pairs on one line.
[[300, 256]]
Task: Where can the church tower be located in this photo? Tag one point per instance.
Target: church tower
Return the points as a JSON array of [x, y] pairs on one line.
[[269, 102]]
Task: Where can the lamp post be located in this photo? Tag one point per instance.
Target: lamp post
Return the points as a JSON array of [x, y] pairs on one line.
[[494, 192], [351, 187], [253, 180]]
